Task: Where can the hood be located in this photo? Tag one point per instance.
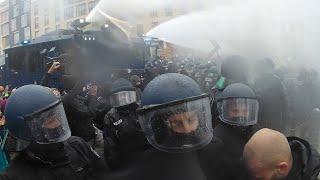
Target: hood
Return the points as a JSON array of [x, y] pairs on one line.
[[309, 156]]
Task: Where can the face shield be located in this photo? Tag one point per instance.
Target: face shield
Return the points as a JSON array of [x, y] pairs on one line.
[[49, 125], [123, 98], [238, 111], [179, 126]]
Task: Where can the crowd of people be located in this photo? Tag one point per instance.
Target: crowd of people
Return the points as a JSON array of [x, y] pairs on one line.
[[179, 119]]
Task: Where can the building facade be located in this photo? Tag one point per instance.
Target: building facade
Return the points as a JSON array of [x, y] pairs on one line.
[[156, 17], [51, 15], [5, 25], [14, 22]]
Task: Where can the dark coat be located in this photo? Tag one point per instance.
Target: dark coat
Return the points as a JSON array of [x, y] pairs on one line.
[[78, 161], [306, 160], [273, 105], [123, 135], [156, 165]]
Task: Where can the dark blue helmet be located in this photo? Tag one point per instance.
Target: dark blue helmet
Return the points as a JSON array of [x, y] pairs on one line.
[[123, 93], [237, 105], [235, 68], [121, 85], [237, 90], [176, 115], [34, 113], [169, 87]]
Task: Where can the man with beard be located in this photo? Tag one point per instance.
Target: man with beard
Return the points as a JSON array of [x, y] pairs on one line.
[[271, 156]]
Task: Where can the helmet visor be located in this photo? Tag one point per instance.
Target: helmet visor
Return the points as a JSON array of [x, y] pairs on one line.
[[123, 98], [49, 126], [181, 127], [238, 111]]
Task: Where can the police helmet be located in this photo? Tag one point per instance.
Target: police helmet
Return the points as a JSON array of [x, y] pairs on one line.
[[34, 114], [175, 114], [237, 105], [122, 93]]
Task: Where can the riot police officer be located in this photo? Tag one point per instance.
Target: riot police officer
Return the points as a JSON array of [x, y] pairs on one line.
[[272, 97], [36, 116], [233, 69], [123, 136], [237, 108], [310, 129], [175, 117]]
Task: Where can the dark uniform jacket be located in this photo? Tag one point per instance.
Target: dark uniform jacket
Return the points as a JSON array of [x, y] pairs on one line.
[[156, 165], [123, 135], [77, 162]]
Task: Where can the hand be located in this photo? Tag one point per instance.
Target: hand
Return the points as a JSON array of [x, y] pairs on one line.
[[93, 90], [54, 68], [2, 121]]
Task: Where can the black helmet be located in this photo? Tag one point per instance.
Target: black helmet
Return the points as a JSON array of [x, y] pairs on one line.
[[122, 93], [35, 114], [235, 68], [176, 115], [237, 105]]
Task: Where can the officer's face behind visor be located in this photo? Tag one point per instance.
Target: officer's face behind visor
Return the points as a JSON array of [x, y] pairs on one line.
[[238, 111], [184, 123], [179, 126], [123, 98], [49, 125]]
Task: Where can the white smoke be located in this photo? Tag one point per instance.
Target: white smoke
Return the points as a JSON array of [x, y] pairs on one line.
[[281, 29], [132, 10]]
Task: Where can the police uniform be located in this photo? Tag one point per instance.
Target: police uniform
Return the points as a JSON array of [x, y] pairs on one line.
[[76, 160]]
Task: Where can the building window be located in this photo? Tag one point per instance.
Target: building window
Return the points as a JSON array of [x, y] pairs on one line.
[[81, 9], [69, 25], [91, 5], [24, 20], [69, 13], [15, 11], [13, 2], [13, 25], [36, 10], [168, 11], [26, 6], [36, 33], [27, 33], [36, 22], [57, 17], [4, 17], [68, 2], [139, 30], [154, 14], [58, 26], [46, 30], [183, 10], [5, 29], [154, 24], [16, 38], [5, 41], [46, 20]]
